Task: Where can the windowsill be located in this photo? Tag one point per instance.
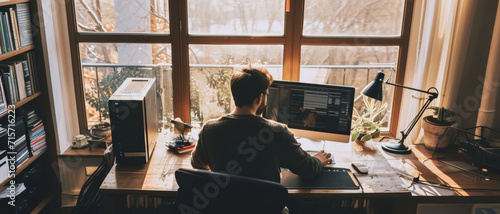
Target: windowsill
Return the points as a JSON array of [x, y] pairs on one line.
[[96, 152]]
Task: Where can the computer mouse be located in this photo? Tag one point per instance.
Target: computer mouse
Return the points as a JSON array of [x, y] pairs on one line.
[[360, 167]]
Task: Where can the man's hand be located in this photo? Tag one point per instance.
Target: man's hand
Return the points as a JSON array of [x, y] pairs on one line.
[[324, 157]]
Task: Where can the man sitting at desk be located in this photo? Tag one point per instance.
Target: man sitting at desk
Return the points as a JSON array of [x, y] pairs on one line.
[[244, 143]]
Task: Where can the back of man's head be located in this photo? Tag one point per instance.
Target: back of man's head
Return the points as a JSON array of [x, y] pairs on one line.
[[248, 83]]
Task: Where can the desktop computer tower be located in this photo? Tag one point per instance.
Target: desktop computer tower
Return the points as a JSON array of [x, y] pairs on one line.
[[133, 111]]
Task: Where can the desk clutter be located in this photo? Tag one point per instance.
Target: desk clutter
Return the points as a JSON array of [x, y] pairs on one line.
[[483, 149], [180, 145]]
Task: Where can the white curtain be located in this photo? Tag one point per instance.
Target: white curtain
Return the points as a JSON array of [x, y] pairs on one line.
[[436, 43]]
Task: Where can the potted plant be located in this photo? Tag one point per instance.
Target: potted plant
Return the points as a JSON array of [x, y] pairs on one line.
[[435, 127], [366, 126]]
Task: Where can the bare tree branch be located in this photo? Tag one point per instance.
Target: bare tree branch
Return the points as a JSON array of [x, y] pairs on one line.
[[158, 15], [86, 28], [93, 15]]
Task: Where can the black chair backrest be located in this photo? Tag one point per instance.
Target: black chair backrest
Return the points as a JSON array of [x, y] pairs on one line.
[[202, 191]]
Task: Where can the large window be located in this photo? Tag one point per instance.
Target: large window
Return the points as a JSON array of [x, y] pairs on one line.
[[193, 46]]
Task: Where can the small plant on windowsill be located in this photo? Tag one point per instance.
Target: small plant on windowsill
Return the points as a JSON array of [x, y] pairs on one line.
[[366, 126]]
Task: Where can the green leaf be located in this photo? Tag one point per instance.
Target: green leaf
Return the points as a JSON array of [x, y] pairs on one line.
[[354, 136], [367, 125], [366, 137], [376, 134]]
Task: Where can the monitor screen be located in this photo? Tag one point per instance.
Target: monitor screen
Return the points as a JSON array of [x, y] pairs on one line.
[[312, 110]]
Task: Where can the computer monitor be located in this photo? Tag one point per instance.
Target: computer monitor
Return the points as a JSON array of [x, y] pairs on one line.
[[316, 111]]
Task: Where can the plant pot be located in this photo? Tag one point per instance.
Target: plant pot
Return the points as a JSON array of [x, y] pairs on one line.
[[435, 137]]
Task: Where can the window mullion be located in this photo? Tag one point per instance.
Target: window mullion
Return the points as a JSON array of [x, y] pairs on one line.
[[403, 55], [289, 42], [297, 36], [180, 59]]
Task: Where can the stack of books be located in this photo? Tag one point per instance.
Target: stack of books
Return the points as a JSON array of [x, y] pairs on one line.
[[22, 150], [36, 132], [19, 79], [15, 28], [4, 167]]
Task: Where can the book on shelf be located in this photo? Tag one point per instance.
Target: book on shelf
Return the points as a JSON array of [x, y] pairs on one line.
[[27, 78], [6, 32], [3, 99], [8, 87], [31, 61], [15, 28], [24, 24], [18, 68], [3, 44]]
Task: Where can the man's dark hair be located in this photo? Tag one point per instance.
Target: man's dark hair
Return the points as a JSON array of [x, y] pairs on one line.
[[248, 83]]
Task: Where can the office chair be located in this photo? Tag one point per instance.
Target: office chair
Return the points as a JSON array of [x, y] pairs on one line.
[[202, 191], [89, 199]]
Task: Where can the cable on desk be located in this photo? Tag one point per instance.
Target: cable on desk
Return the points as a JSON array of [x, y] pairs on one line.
[[360, 185], [416, 180]]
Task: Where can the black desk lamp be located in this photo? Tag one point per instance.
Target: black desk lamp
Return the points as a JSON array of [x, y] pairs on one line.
[[374, 90]]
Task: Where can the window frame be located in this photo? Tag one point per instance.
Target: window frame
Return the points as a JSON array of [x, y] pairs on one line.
[[292, 41]]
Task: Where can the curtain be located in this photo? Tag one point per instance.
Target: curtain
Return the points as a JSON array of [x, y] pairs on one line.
[[433, 49]]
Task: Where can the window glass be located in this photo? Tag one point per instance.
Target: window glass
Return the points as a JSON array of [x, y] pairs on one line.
[[122, 16], [236, 17], [350, 66], [353, 17], [105, 67], [211, 67]]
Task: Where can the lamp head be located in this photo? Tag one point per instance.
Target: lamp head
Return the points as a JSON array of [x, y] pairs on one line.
[[374, 89]]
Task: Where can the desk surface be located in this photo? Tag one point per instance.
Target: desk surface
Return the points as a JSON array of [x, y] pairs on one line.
[[157, 177]]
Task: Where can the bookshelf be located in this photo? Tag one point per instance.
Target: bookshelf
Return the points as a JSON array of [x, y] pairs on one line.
[[29, 47], [24, 165], [16, 52], [24, 101], [12, 2]]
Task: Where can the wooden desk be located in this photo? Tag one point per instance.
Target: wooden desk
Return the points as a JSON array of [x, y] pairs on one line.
[[388, 177], [157, 177]]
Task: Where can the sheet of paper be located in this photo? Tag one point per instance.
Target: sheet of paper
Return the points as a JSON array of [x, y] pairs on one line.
[[309, 145]]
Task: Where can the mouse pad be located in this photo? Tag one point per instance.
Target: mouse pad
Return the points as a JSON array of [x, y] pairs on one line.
[[330, 178]]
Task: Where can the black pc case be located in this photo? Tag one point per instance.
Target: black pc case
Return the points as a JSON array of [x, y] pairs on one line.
[[133, 111]]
